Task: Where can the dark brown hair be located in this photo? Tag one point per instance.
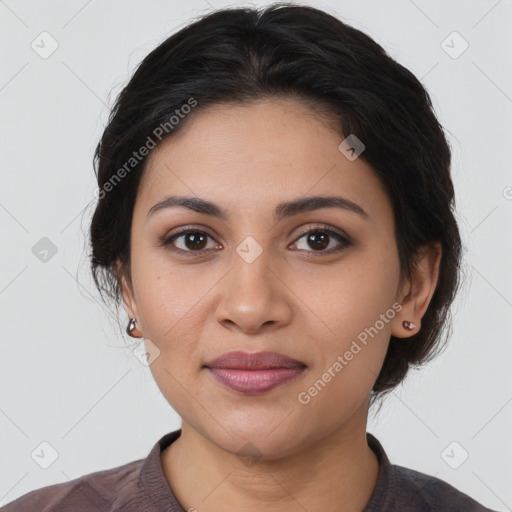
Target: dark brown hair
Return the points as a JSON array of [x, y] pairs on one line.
[[246, 54]]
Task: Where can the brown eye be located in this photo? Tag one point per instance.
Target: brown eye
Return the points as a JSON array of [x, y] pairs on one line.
[[195, 240], [191, 240], [318, 239]]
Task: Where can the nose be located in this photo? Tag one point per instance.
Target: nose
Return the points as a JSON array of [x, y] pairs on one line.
[[254, 296]]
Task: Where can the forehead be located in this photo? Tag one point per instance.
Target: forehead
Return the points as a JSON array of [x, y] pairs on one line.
[[249, 155]]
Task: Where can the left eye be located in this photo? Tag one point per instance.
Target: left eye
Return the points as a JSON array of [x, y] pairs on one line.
[[320, 238]]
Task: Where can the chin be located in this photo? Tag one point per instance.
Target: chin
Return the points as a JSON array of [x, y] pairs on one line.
[[261, 439]]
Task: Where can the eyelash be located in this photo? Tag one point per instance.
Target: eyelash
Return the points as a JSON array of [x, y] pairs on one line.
[[346, 242]]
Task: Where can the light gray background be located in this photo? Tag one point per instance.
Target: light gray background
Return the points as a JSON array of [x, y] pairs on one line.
[[65, 375]]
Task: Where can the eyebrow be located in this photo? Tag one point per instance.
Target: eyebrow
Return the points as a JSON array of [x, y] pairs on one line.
[[282, 210]]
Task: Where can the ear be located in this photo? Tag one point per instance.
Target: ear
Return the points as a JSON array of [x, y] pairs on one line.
[[415, 293], [128, 296]]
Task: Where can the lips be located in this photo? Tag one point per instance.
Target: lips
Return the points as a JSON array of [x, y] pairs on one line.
[[254, 373], [253, 361]]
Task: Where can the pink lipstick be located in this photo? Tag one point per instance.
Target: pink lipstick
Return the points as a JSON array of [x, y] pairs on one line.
[[254, 373]]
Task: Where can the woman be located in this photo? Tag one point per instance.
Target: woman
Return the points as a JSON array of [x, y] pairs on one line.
[[275, 211]]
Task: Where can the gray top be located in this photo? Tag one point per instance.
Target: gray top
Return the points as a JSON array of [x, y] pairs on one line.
[[141, 486]]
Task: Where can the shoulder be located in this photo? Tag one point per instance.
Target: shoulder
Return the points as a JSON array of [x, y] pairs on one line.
[[133, 487], [401, 488], [102, 490], [430, 493]]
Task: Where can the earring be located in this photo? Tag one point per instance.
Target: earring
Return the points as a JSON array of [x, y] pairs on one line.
[[408, 325], [131, 326]]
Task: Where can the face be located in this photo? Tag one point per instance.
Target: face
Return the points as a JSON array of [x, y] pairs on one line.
[[315, 285]]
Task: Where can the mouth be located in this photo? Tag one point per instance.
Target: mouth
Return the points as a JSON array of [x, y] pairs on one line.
[[254, 373]]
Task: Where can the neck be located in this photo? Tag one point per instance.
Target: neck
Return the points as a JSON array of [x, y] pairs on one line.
[[337, 472]]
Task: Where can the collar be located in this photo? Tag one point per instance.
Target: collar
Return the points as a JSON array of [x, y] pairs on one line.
[[152, 478]]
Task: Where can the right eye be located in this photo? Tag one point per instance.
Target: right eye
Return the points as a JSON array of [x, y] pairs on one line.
[[192, 241]]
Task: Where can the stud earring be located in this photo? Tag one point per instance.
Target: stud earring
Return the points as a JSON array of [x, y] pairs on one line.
[[408, 325], [131, 326]]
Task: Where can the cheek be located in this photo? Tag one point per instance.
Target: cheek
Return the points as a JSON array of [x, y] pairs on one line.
[[168, 294], [168, 311], [359, 311], [168, 321], [350, 366], [360, 294]]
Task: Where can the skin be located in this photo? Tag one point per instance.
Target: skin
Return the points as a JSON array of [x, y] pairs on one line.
[[292, 299]]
